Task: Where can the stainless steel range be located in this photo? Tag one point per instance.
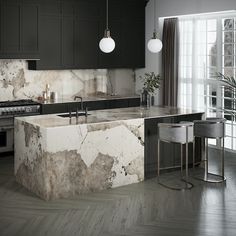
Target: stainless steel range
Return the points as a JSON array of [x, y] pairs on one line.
[[9, 110]]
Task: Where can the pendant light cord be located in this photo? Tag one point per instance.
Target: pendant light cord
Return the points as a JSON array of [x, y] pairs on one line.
[[107, 15], [155, 26]]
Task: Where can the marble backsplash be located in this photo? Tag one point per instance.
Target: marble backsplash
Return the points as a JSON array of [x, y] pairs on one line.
[[17, 82]]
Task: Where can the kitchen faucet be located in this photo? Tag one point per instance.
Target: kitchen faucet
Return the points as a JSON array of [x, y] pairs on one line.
[[81, 101]]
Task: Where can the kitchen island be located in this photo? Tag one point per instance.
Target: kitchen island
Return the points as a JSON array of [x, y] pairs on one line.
[[58, 157]]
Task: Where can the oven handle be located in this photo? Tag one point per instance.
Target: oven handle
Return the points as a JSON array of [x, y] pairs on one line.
[[6, 128]]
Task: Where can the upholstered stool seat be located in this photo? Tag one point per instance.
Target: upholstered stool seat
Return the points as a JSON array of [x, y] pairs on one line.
[[181, 133], [213, 128]]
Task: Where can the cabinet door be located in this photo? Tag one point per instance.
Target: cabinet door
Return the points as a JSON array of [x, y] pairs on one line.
[[87, 34], [30, 28], [50, 42], [134, 33], [11, 27], [86, 43], [67, 42], [1, 27], [50, 7], [134, 48], [19, 29], [68, 34]]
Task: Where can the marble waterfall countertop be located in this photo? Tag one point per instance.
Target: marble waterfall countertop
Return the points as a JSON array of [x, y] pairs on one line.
[[56, 158], [108, 115]]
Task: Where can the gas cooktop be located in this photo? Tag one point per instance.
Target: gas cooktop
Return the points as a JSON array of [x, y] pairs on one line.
[[19, 108], [22, 102]]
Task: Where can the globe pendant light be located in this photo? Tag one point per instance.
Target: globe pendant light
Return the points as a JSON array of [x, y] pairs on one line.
[[154, 44], [107, 44]]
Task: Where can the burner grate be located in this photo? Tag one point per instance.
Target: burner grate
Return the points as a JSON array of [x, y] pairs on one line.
[[18, 103]]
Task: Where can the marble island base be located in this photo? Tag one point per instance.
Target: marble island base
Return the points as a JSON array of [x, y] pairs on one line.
[[62, 162]]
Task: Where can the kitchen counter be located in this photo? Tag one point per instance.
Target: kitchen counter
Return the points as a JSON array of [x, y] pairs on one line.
[[59, 158], [103, 116]]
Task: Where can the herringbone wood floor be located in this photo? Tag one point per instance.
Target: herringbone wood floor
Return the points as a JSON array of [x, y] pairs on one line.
[[139, 209]]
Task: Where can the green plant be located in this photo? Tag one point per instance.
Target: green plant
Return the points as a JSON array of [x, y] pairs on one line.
[[229, 81], [151, 82]]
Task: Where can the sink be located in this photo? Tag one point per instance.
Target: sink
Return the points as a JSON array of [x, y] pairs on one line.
[[73, 114]]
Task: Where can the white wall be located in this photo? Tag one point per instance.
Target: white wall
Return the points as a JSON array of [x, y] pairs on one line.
[[183, 7], [153, 60], [167, 8]]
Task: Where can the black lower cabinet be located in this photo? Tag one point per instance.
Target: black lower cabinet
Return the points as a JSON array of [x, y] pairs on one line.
[[97, 105], [91, 105], [120, 103], [56, 108], [170, 152]]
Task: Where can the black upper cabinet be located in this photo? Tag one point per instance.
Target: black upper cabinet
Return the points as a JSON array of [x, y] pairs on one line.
[[50, 35], [11, 24], [30, 28], [88, 16], [134, 31], [68, 34], [127, 26], [19, 29], [1, 27], [71, 30], [50, 43], [57, 26]]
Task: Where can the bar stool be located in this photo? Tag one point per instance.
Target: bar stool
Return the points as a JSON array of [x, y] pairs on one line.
[[213, 128], [181, 133]]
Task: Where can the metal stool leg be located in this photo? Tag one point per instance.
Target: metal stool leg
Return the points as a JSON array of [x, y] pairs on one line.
[[206, 159], [194, 154], [188, 184], [158, 159], [211, 128], [222, 158], [186, 165], [210, 177], [181, 159]]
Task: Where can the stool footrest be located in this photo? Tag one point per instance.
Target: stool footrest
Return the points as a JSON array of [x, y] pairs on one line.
[[186, 186], [211, 178]]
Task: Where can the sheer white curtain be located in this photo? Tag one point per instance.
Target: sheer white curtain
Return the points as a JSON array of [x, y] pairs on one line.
[[208, 45], [193, 63]]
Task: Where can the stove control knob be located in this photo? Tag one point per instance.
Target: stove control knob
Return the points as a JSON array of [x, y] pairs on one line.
[[18, 110], [6, 111], [28, 109], [10, 111]]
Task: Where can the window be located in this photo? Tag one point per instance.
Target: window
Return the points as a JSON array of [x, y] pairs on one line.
[[207, 46]]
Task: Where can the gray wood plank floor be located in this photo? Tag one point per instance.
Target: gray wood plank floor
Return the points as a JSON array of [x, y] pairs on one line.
[[139, 209]]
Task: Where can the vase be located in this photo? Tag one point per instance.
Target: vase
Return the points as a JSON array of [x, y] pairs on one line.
[[145, 99], [152, 100]]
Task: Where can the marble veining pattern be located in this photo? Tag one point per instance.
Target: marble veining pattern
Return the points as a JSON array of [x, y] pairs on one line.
[[17, 82], [61, 162], [100, 117]]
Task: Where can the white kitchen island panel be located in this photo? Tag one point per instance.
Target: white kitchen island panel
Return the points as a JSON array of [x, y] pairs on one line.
[[65, 161]]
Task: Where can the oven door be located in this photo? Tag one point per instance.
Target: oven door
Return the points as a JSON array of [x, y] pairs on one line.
[[6, 139]]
